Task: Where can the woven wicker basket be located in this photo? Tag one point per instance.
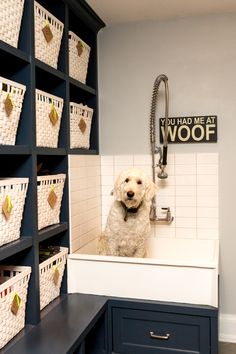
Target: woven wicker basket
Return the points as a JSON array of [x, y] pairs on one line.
[[13, 288], [11, 100], [80, 125], [47, 128], [47, 43], [79, 53], [50, 275], [12, 197], [49, 214], [10, 20]]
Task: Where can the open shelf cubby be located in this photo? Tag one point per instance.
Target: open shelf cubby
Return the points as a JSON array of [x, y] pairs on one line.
[[22, 159]]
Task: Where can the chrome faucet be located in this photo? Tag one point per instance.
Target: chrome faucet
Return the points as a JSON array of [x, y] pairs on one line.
[[155, 149], [162, 152], [168, 218]]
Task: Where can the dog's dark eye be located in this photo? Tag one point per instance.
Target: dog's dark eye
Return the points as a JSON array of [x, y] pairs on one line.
[[139, 181], [126, 180]]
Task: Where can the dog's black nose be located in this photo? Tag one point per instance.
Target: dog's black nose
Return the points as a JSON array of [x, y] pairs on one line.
[[130, 194]]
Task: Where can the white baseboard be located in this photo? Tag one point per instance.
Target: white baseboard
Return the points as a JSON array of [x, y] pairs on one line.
[[227, 328]]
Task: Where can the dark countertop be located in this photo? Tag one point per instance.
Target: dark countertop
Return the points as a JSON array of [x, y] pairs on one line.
[[77, 313]]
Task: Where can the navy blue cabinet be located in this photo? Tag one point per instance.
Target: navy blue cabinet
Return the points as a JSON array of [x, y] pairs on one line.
[[91, 324], [142, 327]]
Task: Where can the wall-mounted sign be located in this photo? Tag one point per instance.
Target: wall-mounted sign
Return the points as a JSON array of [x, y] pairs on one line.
[[197, 129]]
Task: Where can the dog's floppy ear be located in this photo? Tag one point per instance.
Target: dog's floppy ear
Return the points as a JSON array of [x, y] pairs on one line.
[[117, 189], [151, 189]]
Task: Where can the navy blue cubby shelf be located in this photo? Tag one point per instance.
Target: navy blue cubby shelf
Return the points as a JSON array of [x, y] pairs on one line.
[[15, 150], [14, 247], [52, 230], [23, 159]]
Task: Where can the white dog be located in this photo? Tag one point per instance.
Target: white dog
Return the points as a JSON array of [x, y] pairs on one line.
[[128, 223]]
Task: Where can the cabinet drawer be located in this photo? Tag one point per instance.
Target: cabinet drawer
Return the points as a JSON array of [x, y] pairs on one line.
[[149, 332]]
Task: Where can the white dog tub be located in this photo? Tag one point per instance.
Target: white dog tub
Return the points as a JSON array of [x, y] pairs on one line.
[[176, 270]]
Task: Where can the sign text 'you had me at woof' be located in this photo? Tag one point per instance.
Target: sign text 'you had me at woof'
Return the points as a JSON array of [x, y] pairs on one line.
[[198, 129]]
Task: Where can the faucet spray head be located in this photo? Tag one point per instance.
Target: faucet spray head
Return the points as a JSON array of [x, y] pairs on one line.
[[162, 174]]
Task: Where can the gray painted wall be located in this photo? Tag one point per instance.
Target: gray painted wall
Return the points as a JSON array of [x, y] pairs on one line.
[[198, 55]]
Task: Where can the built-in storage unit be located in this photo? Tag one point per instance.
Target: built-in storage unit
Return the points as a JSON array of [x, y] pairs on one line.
[[25, 159], [99, 325], [148, 327]]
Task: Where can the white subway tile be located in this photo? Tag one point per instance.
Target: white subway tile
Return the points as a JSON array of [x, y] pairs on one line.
[[79, 196], [78, 184], [207, 158], [165, 231], [185, 222], [204, 212], [208, 234], [76, 161], [186, 212], [209, 191], [184, 170], [107, 181], [170, 191], [165, 183], [92, 160], [107, 160], [165, 201], [93, 181], [170, 170], [204, 169], [107, 170], [78, 207], [79, 219], [185, 190], [106, 191], [77, 172], [107, 200], [124, 160], [105, 209], [93, 171], [207, 201], [142, 160], [147, 169], [119, 168], [93, 202], [186, 201], [185, 180], [207, 223], [104, 221], [170, 159], [152, 231], [207, 180], [185, 159], [183, 232], [74, 245]]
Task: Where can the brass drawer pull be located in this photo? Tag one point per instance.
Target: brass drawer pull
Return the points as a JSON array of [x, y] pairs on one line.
[[156, 336]]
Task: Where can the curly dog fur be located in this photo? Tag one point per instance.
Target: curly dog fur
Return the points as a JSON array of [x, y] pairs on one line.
[[128, 223]]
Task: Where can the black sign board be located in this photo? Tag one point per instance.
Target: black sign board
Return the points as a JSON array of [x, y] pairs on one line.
[[197, 129]]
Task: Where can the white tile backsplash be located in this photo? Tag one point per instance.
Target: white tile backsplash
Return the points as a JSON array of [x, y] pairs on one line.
[[184, 170], [185, 180], [207, 158], [185, 191], [185, 159], [85, 199], [191, 191], [124, 160], [185, 201], [207, 169], [207, 180]]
